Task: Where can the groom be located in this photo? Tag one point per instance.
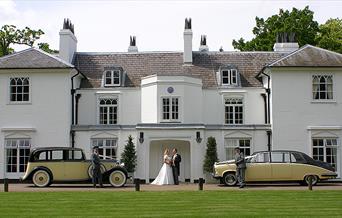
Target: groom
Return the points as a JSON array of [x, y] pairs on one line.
[[176, 159]]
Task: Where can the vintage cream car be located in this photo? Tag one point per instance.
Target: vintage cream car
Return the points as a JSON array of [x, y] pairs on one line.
[[267, 166], [63, 164]]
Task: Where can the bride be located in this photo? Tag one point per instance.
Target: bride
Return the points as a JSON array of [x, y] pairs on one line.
[[165, 176]]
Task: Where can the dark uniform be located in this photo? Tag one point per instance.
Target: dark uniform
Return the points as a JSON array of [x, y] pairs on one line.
[[176, 159], [97, 175], [240, 168]]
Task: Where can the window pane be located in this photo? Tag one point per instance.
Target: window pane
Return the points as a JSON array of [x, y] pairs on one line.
[[277, 157], [57, 155]]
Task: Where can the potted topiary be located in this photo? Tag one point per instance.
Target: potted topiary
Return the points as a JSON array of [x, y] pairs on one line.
[[129, 157], [210, 159]]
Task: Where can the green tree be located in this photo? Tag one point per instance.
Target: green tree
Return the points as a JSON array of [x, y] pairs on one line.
[[330, 35], [9, 35], [297, 21], [129, 156], [210, 156], [46, 47]]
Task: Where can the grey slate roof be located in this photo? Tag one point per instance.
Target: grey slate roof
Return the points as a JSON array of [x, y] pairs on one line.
[[32, 58], [310, 56], [205, 65]]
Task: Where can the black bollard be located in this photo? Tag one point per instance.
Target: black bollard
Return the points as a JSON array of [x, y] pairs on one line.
[[137, 184], [200, 184], [5, 185], [310, 183]]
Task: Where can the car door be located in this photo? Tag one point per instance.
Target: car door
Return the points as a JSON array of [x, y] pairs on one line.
[[258, 167], [75, 166], [55, 163], [281, 166]]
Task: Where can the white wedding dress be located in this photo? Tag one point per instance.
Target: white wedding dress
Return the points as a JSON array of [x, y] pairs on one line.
[[165, 176]]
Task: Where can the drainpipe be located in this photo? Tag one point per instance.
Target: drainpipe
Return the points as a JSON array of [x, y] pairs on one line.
[[73, 90], [265, 106], [269, 146], [78, 96]]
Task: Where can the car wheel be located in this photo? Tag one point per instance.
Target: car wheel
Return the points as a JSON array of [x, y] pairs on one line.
[[314, 179], [90, 170], [41, 178], [229, 179], [117, 178]]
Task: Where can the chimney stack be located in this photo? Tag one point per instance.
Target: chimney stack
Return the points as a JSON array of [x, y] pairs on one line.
[[132, 44], [67, 41], [286, 42], [187, 55], [203, 45]]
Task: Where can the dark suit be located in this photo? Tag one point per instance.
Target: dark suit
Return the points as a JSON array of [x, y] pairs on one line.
[[240, 168], [176, 159], [96, 164]]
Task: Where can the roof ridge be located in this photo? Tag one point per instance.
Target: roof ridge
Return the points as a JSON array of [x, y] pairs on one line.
[[288, 55]]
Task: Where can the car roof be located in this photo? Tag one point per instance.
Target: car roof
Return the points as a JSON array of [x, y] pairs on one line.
[[54, 148], [279, 151]]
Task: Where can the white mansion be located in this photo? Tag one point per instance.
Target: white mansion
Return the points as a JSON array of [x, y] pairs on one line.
[[289, 98]]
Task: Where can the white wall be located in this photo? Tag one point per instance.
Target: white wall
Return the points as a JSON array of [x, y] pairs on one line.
[[46, 119], [294, 111], [213, 105]]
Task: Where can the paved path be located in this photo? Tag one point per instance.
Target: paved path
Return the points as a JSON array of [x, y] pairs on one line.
[[181, 187]]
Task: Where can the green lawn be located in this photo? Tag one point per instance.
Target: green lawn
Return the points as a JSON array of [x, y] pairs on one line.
[[172, 204]]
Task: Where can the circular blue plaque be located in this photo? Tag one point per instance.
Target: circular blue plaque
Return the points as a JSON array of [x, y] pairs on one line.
[[170, 90]]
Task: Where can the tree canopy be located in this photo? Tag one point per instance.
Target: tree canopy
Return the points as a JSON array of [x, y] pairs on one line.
[[46, 47], [297, 21], [330, 35], [9, 35]]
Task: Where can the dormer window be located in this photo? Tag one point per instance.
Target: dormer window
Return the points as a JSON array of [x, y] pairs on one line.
[[112, 78], [229, 77]]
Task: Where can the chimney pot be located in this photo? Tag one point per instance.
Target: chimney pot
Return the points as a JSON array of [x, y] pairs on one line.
[[132, 44], [286, 42], [203, 45], [67, 41]]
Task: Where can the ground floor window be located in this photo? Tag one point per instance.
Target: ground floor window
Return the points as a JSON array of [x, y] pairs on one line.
[[231, 144], [107, 148], [17, 154], [325, 149]]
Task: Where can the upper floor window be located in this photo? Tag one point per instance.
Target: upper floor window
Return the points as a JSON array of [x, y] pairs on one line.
[[170, 108], [229, 77], [108, 111], [112, 78], [233, 110], [20, 89], [322, 87]]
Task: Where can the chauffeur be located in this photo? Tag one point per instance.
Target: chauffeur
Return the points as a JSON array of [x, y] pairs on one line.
[[95, 162], [240, 167]]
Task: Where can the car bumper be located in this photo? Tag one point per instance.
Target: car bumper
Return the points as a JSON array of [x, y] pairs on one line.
[[329, 175], [216, 176]]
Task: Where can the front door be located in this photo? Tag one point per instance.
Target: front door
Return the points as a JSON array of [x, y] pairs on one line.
[[157, 149], [259, 168], [75, 166]]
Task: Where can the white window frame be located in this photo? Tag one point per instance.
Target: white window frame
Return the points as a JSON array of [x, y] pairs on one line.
[[230, 77], [324, 147], [112, 78], [108, 110], [235, 142], [170, 108], [10, 91], [234, 110], [18, 147], [317, 84], [104, 147]]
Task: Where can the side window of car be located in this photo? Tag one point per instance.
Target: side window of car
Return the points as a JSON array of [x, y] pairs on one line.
[[73, 155], [42, 156], [297, 158], [78, 155], [57, 155], [280, 157], [261, 158]]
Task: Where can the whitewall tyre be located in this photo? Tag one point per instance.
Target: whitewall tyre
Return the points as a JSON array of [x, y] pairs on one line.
[[229, 179], [117, 178], [314, 179], [41, 178]]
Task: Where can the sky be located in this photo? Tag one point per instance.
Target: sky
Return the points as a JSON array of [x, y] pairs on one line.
[[105, 26]]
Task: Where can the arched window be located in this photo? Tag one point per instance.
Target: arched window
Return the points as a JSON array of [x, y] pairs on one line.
[[322, 87], [108, 111], [20, 89]]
